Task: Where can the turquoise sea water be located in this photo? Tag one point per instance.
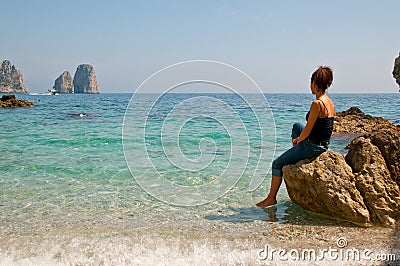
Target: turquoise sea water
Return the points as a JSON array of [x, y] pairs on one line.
[[57, 166]]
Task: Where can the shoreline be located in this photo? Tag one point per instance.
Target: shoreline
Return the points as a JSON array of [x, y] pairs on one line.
[[215, 237], [208, 244]]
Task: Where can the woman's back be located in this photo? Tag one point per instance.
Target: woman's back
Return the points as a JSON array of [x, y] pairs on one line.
[[322, 130]]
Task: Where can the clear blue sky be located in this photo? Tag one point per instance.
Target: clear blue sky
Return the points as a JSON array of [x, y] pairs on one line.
[[277, 43]]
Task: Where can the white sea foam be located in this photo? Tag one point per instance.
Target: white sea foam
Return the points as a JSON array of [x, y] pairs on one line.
[[144, 250], [130, 251]]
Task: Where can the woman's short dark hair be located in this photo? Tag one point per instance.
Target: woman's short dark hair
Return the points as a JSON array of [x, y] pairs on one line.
[[322, 77]]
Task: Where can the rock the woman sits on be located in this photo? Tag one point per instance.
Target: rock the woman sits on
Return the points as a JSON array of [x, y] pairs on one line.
[[310, 140]]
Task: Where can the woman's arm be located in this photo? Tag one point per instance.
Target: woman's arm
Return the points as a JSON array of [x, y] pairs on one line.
[[312, 118]]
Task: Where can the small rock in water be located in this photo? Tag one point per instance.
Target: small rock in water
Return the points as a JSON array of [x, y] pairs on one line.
[[9, 100]]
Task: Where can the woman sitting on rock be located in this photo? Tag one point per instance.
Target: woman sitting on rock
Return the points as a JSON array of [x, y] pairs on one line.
[[310, 140]]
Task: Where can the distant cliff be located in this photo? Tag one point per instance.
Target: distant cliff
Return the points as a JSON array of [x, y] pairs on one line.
[[85, 80], [396, 70], [63, 84], [11, 79]]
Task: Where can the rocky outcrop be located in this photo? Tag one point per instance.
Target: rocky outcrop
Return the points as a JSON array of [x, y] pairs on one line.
[[85, 80], [355, 121], [11, 101], [362, 187], [63, 84], [11, 79], [396, 70], [389, 146], [374, 180]]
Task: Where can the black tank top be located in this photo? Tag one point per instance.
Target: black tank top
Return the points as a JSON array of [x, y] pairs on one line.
[[322, 130]]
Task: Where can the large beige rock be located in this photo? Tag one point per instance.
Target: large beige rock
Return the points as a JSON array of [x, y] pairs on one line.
[[63, 84], [359, 188], [374, 180], [85, 79], [11, 79], [326, 185], [389, 146]]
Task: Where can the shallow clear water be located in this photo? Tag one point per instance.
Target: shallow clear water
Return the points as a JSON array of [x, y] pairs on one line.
[[60, 165], [67, 173]]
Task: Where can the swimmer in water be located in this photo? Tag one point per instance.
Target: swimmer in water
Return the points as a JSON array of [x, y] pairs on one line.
[[80, 115]]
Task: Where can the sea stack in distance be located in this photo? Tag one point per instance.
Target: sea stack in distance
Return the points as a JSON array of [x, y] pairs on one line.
[[85, 80], [11, 79], [63, 84]]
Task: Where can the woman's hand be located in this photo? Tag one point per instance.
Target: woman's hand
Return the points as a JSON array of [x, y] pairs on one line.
[[294, 141]]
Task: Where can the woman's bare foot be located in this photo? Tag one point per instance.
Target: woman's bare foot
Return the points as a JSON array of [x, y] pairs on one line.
[[267, 202]]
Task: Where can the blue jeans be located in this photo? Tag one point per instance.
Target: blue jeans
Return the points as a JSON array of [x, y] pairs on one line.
[[303, 150]]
